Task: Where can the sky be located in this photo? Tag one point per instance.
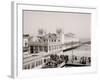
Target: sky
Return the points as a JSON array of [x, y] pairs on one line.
[[76, 23]]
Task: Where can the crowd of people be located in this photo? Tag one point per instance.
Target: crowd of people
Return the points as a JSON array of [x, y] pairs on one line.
[[56, 60]]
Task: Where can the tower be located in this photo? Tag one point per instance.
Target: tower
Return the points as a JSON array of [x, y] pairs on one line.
[[60, 35]]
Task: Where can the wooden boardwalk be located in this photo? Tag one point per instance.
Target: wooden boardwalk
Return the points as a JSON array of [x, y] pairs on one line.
[[74, 64]]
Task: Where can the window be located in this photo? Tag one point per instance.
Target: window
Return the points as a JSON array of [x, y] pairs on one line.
[[49, 48], [58, 40], [45, 49], [28, 66], [25, 67], [33, 65], [44, 60], [31, 49], [36, 49], [40, 48]]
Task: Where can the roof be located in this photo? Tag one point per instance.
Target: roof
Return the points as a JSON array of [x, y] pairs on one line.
[[50, 36]]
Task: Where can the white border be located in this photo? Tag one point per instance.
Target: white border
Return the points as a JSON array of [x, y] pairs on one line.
[[17, 41]]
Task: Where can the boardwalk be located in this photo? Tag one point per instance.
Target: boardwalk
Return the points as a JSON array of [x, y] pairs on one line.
[[74, 65]]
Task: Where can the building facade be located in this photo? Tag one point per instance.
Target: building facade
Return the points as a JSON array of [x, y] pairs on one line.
[[40, 49]]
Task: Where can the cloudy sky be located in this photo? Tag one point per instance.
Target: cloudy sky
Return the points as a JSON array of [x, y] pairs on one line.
[[76, 23]]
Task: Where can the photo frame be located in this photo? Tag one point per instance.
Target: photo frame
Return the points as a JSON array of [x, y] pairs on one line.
[[17, 12]]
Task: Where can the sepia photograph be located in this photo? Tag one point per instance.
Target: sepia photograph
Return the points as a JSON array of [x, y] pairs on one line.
[[54, 39]]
